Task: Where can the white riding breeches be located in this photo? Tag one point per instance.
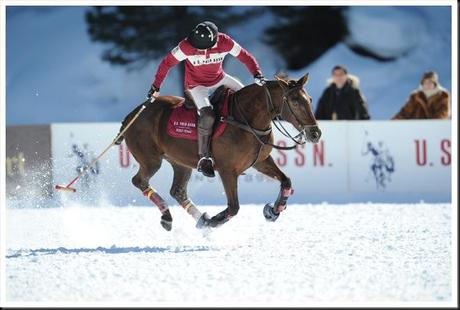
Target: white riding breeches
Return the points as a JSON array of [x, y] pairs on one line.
[[200, 94]]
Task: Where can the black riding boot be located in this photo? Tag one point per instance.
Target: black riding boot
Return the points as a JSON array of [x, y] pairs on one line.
[[205, 122]]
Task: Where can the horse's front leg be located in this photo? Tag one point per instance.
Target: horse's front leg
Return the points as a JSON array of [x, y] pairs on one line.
[[230, 182], [269, 168]]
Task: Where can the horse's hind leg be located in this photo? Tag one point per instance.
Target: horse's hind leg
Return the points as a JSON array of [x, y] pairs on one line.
[[141, 181], [179, 192], [269, 168]]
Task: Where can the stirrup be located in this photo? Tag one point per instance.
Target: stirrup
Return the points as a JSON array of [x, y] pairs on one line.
[[206, 170], [205, 158]]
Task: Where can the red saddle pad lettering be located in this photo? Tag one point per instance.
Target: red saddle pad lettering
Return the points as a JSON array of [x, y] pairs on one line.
[[182, 122]]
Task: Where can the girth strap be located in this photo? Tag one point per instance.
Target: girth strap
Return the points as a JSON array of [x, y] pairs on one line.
[[230, 120]]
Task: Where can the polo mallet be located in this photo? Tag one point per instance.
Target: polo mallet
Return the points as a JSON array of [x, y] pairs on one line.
[[73, 190]]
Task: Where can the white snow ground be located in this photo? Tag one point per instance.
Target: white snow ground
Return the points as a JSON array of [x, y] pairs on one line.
[[313, 253]]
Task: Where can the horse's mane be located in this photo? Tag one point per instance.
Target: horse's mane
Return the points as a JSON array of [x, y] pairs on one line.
[[285, 77]]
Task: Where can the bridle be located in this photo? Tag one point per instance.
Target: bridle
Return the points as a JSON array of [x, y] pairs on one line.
[[258, 133], [278, 116]]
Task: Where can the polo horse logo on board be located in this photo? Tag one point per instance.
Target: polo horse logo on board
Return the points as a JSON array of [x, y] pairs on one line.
[[382, 164], [84, 156]]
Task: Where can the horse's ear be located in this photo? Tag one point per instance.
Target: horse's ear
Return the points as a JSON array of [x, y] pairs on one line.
[[284, 84], [304, 79]]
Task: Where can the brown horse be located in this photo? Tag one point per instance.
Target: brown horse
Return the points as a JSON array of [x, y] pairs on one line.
[[246, 142]]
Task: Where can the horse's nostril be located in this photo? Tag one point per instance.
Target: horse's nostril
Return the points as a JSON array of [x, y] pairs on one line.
[[315, 135]]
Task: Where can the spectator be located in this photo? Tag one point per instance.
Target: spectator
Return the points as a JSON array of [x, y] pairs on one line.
[[342, 99], [430, 100]]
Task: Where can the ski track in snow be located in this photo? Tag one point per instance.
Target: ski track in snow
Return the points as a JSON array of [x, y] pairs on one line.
[[313, 253]]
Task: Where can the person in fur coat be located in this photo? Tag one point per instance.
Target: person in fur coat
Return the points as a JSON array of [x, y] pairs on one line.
[[342, 99], [429, 101]]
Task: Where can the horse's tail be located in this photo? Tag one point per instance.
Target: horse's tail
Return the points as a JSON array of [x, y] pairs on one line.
[[126, 120], [169, 102]]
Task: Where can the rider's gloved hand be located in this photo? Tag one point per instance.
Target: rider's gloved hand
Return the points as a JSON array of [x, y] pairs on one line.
[[153, 93], [259, 79]]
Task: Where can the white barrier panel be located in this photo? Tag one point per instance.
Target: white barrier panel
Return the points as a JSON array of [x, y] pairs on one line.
[[400, 157], [388, 161]]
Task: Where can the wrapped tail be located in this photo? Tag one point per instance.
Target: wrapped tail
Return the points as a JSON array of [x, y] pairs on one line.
[[127, 119]]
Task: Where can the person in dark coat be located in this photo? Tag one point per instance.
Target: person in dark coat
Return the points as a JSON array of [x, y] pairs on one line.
[[342, 99]]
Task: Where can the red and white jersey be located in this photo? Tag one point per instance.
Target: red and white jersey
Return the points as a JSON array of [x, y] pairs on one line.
[[204, 67]]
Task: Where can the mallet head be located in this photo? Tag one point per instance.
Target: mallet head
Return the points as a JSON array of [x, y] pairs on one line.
[[65, 188]]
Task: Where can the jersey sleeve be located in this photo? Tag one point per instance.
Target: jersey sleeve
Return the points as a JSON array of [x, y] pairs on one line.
[[175, 56], [242, 55]]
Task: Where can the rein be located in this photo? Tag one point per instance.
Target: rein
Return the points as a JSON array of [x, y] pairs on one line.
[[278, 115], [259, 133]]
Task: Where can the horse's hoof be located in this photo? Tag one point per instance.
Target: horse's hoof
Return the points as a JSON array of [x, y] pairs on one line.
[[166, 224], [269, 214], [202, 221]]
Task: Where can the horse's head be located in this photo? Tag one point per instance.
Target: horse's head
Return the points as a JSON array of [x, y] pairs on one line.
[[296, 108]]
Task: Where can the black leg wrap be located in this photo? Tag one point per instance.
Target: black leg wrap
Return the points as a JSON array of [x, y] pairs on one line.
[[281, 201], [219, 219], [271, 213]]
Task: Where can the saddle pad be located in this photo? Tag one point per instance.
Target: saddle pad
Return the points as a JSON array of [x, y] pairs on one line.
[[182, 122]]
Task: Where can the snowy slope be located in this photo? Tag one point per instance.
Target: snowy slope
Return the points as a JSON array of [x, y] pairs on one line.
[[60, 77], [313, 253], [54, 72], [387, 85]]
